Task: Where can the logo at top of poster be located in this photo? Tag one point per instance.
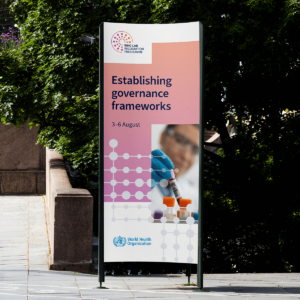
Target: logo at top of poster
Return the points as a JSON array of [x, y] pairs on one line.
[[119, 39], [119, 241]]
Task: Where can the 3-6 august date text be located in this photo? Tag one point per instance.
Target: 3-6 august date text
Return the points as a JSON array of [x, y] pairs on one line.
[[124, 124]]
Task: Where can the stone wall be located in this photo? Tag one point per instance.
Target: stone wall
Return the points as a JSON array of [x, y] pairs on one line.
[[22, 162], [69, 219]]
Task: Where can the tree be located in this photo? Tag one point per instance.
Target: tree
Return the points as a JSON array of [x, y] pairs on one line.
[[52, 79], [251, 74], [252, 66]]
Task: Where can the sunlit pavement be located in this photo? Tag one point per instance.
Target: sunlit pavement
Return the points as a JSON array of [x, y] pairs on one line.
[[24, 270]]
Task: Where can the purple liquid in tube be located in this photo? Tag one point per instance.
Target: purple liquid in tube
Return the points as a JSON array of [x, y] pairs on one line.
[[158, 215]]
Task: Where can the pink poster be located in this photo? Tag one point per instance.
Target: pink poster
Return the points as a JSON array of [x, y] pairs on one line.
[[151, 142]]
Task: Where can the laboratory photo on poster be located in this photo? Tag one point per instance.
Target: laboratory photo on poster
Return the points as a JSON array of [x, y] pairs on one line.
[[175, 173]]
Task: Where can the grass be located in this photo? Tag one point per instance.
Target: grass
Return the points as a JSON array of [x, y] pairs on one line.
[[189, 284]]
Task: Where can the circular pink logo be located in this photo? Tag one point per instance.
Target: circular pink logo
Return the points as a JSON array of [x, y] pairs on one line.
[[119, 39]]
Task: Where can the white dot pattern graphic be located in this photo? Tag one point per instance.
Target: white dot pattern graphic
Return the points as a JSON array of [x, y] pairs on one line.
[[113, 143], [113, 155], [139, 182], [113, 195], [176, 232], [164, 232], [176, 246], [151, 182], [139, 195], [190, 247], [113, 182], [164, 246], [126, 195], [163, 183], [190, 220], [126, 156], [163, 219]]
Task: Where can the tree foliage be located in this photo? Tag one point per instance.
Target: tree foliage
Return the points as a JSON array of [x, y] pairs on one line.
[[251, 74]]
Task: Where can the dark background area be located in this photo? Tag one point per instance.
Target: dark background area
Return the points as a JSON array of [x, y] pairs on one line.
[[6, 19]]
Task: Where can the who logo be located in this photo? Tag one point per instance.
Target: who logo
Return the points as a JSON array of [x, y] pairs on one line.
[[119, 241], [119, 39]]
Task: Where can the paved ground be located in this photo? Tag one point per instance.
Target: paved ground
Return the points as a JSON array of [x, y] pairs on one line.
[[24, 269]]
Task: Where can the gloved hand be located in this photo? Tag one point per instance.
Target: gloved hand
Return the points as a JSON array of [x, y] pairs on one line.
[[161, 165]]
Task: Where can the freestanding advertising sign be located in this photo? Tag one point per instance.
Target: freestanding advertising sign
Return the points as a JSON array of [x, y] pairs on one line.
[[150, 200]]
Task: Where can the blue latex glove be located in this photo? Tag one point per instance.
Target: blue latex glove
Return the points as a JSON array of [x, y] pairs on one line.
[[159, 162]]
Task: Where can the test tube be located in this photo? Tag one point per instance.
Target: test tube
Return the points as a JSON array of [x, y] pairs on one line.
[[174, 186], [169, 212], [183, 214], [158, 215]]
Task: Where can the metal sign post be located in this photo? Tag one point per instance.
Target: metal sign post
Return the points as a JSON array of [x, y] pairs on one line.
[[201, 139], [101, 277]]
